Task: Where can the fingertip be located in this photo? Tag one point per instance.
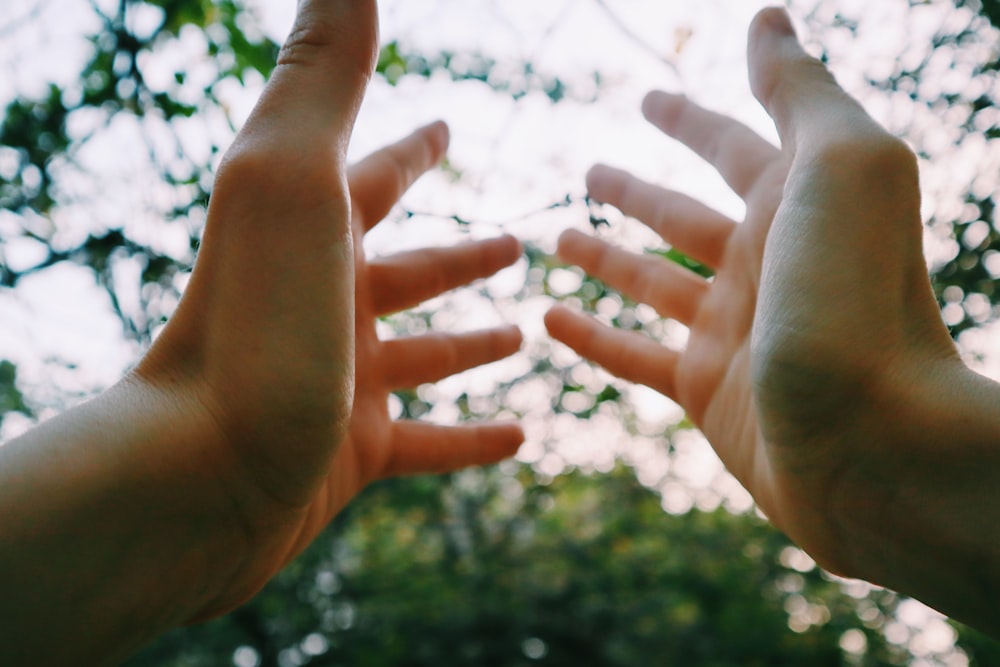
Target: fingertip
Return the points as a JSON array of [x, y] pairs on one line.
[[775, 19], [570, 240], [595, 175], [658, 103], [565, 241], [498, 253], [440, 129], [514, 433], [772, 41], [510, 247], [555, 318], [771, 35], [321, 74], [512, 338], [502, 440], [604, 183], [798, 91], [438, 136]]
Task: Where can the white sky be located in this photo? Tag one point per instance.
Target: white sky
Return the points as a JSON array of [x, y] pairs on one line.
[[518, 157], [515, 158]]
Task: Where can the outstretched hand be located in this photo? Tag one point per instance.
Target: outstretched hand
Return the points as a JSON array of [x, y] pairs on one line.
[[817, 363], [376, 446], [262, 408]]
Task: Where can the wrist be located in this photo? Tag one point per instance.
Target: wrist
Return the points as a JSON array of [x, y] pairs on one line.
[[919, 511], [100, 545]]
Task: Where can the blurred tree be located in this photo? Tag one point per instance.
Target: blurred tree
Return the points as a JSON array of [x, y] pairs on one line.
[[495, 568], [988, 8], [945, 88], [492, 567]]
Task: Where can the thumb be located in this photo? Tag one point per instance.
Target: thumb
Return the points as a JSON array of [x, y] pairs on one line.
[[809, 108], [314, 93]]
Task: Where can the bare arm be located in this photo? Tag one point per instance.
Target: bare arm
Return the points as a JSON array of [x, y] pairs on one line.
[[177, 494], [817, 364]]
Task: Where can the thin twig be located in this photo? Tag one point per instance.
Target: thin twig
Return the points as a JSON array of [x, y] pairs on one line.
[[566, 202], [639, 41]]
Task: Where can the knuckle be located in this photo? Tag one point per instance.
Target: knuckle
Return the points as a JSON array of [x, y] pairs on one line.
[[307, 42], [260, 163], [779, 87], [315, 39], [872, 153], [401, 166], [641, 281], [245, 167]]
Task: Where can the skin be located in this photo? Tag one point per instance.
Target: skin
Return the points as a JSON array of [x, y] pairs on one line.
[[817, 363], [262, 408]]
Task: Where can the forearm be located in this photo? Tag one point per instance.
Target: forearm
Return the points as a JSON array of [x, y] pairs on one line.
[[100, 551], [939, 538], [922, 515]]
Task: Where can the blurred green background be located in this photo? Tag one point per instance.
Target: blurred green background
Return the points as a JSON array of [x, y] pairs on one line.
[[614, 539]]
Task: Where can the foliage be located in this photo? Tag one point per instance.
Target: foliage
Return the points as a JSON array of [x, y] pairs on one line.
[[988, 8], [495, 568], [919, 88], [501, 567], [11, 399], [513, 79]]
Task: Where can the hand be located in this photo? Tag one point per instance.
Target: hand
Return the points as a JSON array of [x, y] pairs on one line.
[[375, 446], [817, 363], [175, 495]]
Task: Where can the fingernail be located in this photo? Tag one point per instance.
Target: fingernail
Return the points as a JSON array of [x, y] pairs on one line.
[[778, 20], [657, 101], [438, 128]]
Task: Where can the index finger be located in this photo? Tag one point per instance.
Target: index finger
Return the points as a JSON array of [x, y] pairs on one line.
[[378, 181], [738, 153]]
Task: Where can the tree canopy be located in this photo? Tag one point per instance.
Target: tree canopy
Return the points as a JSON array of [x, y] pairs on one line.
[[632, 547]]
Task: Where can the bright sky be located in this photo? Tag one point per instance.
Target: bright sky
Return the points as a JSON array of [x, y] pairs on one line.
[[515, 157]]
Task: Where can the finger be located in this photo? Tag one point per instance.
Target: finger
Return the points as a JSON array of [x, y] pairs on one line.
[[432, 357], [407, 279], [683, 222], [419, 447], [737, 152], [278, 235], [627, 354], [313, 95], [672, 290], [379, 180], [797, 90]]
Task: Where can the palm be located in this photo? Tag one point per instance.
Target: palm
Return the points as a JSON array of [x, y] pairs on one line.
[[377, 446], [711, 376], [764, 344]]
